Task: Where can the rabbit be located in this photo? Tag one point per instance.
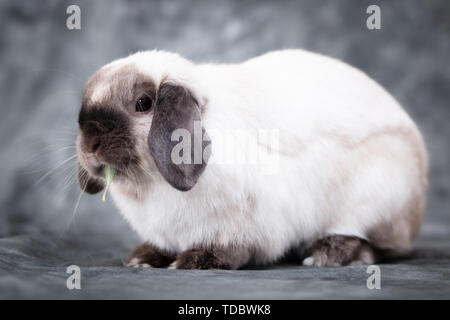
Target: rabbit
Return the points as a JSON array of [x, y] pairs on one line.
[[339, 179]]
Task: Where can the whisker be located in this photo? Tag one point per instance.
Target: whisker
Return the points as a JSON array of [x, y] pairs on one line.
[[67, 181], [72, 218], [52, 171], [39, 163]]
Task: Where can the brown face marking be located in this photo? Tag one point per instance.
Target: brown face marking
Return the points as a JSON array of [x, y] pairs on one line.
[[107, 119], [339, 250], [107, 134], [149, 254]]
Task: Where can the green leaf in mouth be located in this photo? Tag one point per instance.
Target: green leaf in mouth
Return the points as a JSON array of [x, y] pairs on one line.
[[109, 176]]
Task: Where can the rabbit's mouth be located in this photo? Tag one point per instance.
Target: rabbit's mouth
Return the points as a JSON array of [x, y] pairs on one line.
[[95, 165]]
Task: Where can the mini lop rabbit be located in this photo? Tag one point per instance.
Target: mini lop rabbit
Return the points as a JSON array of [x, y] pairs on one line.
[[347, 184]]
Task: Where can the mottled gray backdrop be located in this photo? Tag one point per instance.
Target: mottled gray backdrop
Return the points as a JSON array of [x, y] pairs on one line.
[[43, 66]]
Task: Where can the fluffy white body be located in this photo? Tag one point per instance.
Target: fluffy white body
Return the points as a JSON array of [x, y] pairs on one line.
[[350, 161]]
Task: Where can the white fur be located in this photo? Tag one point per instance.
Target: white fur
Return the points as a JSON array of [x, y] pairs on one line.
[[336, 174]]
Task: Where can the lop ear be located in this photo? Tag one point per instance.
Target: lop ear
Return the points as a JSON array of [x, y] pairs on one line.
[[177, 140], [87, 183]]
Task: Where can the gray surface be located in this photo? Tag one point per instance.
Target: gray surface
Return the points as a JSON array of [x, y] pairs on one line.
[[43, 67], [37, 269]]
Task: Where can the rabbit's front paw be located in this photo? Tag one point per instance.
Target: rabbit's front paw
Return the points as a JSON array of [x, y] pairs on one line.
[[199, 258], [211, 258], [338, 250], [137, 263], [148, 256]]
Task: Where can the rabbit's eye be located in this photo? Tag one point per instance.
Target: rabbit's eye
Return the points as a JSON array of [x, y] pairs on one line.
[[143, 104]]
